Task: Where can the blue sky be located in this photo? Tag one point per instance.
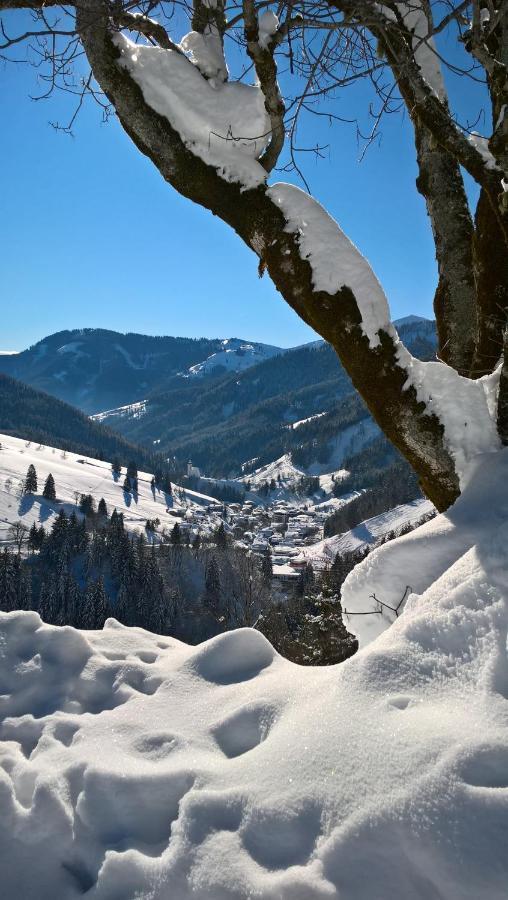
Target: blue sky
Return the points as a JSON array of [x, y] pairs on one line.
[[91, 235]]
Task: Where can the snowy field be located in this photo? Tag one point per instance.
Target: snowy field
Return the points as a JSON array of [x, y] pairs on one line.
[[82, 475], [133, 766]]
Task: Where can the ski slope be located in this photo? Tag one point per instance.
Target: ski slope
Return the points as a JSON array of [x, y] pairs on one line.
[[134, 767], [74, 475]]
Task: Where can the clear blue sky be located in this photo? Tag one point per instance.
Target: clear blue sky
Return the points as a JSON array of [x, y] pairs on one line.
[[91, 236]]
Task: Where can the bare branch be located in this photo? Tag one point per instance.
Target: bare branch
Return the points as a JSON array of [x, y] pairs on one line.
[[262, 55], [145, 26]]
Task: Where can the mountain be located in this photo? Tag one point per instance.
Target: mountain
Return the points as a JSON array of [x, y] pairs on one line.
[[300, 402], [36, 416], [95, 369], [222, 403]]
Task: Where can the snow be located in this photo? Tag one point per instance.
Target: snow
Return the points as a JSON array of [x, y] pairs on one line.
[[466, 534], [225, 124], [482, 145], [206, 53], [367, 533], [236, 355], [283, 467], [308, 419], [334, 259], [268, 23], [131, 410], [424, 48], [9, 352], [74, 473], [73, 347], [133, 766], [467, 408]]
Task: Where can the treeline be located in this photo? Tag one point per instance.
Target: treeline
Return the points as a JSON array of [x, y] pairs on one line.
[[88, 567]]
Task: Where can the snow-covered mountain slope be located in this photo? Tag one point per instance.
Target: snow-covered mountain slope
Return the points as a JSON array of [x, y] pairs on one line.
[[235, 355], [75, 475], [133, 766], [368, 533]]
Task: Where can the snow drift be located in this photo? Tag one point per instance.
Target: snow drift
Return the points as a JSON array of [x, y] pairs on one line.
[[133, 766]]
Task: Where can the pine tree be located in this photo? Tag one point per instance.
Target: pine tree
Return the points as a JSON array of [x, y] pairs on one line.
[[102, 508], [48, 601], [267, 567], [33, 538], [220, 537], [31, 480], [176, 534], [87, 505], [213, 587], [95, 607], [156, 617], [127, 484], [49, 492], [116, 467], [8, 587]]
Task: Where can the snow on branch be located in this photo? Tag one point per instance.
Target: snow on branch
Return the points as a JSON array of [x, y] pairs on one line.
[[225, 124], [467, 408], [334, 259]]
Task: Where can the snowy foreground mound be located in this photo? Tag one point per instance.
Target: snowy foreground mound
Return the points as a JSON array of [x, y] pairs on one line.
[[133, 766]]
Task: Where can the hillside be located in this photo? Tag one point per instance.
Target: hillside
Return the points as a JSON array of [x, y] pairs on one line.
[[74, 475], [36, 416], [95, 369]]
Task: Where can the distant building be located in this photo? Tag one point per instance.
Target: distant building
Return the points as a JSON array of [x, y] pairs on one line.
[[192, 471]]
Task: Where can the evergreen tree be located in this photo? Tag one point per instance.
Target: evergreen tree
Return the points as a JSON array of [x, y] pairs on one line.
[[116, 467], [176, 534], [220, 537], [36, 538], [102, 508], [48, 600], [213, 587], [132, 469], [95, 606], [31, 480], [127, 484], [49, 492], [8, 586], [87, 505], [267, 567], [156, 619]]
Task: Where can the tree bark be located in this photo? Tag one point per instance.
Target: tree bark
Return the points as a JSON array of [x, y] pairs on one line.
[[441, 183], [491, 275]]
